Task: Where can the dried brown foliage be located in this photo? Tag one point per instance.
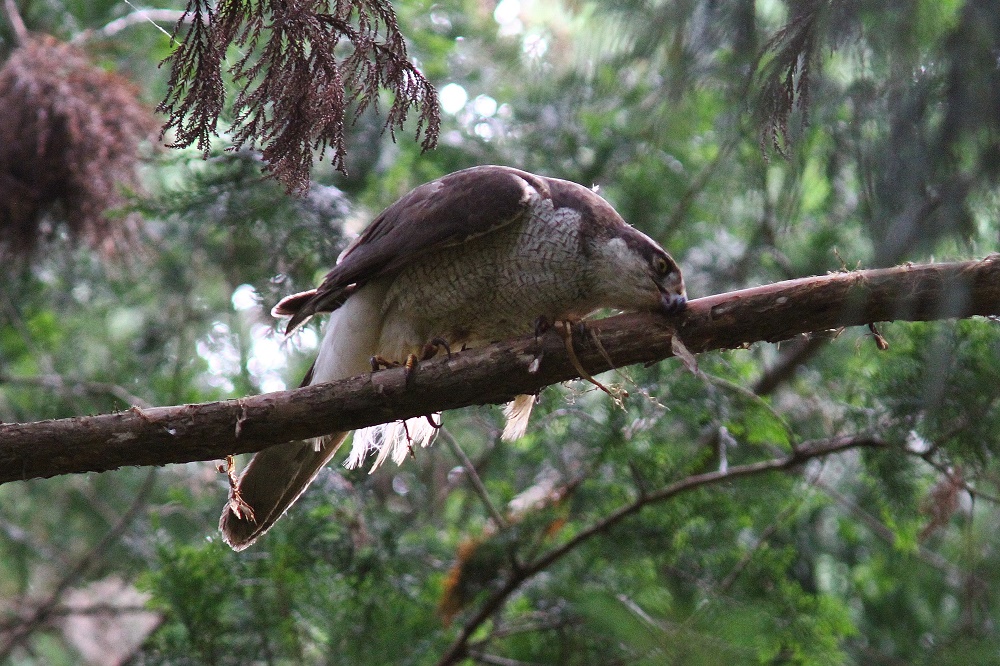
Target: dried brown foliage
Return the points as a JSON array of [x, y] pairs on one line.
[[784, 78], [304, 63], [69, 142]]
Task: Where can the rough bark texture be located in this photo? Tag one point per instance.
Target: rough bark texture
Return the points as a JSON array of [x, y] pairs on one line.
[[497, 373]]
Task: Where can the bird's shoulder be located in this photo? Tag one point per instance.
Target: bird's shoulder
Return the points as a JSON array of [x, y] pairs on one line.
[[442, 213]]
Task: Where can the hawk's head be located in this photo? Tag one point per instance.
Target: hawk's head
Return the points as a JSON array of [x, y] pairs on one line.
[[636, 273], [629, 270]]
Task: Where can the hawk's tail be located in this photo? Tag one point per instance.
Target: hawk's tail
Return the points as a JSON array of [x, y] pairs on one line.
[[270, 484]]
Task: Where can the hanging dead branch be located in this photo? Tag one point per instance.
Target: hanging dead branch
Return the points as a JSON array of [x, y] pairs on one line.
[[304, 64], [69, 144], [783, 80]]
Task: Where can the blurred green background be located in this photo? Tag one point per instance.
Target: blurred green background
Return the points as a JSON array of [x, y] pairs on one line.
[[757, 141]]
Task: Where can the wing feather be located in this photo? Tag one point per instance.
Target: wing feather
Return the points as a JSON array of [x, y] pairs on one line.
[[439, 214]]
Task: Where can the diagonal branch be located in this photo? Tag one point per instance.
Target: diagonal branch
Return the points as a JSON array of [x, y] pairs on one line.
[[16, 22], [809, 450], [43, 612], [496, 373]]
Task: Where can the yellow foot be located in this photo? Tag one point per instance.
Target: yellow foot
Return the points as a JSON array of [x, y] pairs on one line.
[[565, 331]]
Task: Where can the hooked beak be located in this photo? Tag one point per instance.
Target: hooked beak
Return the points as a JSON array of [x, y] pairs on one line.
[[672, 304]]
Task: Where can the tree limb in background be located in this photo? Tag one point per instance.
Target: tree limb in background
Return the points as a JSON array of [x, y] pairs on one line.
[[497, 373], [301, 68], [459, 648], [41, 615]]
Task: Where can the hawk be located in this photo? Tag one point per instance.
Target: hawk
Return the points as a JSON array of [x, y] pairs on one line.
[[477, 256]]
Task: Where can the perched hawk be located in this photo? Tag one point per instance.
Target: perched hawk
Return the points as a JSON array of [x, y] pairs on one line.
[[474, 257]]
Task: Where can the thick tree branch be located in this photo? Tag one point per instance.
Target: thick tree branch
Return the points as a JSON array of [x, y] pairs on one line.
[[496, 373]]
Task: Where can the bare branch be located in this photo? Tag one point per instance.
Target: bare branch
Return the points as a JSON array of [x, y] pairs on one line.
[[474, 480], [809, 450], [16, 22], [69, 386], [303, 65], [134, 18], [497, 373]]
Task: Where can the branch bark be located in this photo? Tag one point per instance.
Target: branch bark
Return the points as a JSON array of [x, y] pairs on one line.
[[497, 373]]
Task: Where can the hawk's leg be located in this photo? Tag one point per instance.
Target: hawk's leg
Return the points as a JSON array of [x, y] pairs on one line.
[[427, 352], [382, 363], [542, 326], [565, 330]]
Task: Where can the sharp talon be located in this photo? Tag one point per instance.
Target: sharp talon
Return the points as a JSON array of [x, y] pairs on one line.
[[380, 362], [431, 349], [410, 365], [542, 326]]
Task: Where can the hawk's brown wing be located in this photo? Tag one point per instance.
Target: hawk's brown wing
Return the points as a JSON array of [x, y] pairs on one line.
[[444, 212]]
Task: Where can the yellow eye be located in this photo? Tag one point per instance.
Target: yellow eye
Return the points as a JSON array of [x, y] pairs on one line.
[[660, 265]]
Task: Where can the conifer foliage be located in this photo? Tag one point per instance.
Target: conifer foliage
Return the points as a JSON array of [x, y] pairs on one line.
[[303, 64]]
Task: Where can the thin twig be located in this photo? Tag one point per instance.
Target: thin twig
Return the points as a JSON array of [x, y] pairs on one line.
[[750, 395], [962, 483], [807, 451], [470, 471], [883, 532], [98, 609], [789, 360], [43, 612], [71, 386], [16, 22], [19, 535], [762, 540], [496, 660], [150, 16]]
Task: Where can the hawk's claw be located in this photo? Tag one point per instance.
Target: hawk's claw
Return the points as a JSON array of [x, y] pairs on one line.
[[381, 363], [431, 349]]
